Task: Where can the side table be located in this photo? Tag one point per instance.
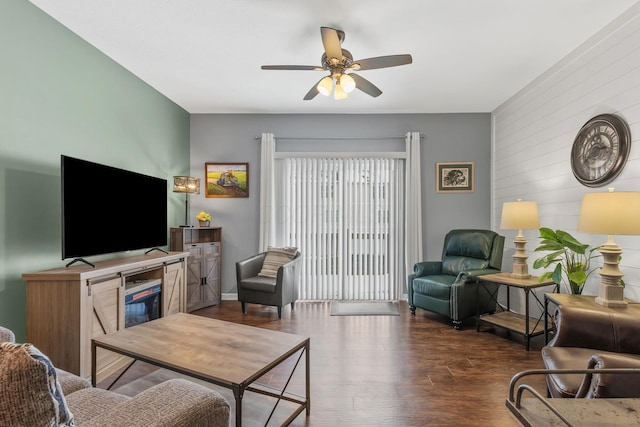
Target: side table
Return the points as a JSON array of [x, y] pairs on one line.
[[505, 318], [581, 301]]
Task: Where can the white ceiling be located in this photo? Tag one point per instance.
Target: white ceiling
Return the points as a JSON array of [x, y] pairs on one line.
[[205, 55]]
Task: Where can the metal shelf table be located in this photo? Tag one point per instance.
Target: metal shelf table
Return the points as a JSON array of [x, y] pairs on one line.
[[515, 322]]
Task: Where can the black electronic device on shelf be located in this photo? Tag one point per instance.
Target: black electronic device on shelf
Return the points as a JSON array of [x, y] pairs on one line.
[[107, 209]]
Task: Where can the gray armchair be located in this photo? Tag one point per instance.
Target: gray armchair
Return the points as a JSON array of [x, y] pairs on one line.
[[256, 289], [448, 287]]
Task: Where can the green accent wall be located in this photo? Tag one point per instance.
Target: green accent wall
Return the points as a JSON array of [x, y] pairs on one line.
[[60, 95]]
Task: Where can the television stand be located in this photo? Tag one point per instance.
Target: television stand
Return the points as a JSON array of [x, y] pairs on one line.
[[67, 307], [81, 260]]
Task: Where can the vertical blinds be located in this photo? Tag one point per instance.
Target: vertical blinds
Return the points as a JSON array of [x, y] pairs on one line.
[[345, 215]]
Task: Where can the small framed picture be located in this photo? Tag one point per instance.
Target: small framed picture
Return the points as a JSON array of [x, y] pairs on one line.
[[454, 177], [226, 179]]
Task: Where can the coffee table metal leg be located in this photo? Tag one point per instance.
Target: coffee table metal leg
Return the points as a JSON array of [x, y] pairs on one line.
[[308, 376], [238, 391], [124, 371], [93, 363]]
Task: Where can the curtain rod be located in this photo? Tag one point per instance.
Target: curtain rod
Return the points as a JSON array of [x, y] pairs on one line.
[[314, 138]]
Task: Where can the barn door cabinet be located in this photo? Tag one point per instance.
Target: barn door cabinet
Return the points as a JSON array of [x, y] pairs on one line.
[[68, 306], [204, 285]]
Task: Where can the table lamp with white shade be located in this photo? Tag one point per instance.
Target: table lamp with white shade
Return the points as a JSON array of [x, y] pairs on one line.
[[520, 216], [610, 213]]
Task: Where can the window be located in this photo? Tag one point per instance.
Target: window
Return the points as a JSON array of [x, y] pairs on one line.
[[346, 216]]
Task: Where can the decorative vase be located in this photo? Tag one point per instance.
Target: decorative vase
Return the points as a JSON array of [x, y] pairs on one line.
[[204, 223]]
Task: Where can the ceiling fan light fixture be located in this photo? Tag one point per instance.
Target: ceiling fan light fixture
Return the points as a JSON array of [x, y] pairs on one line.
[[325, 85], [337, 62], [339, 92], [347, 83]]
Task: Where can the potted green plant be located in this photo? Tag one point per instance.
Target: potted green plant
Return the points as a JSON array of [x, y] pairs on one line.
[[572, 259]]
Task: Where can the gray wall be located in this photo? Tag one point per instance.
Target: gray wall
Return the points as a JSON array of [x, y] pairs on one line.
[[59, 95], [448, 138]]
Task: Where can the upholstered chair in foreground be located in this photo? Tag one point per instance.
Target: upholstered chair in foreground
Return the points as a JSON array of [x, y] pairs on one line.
[[448, 287], [34, 393], [68, 382], [269, 278], [593, 339]]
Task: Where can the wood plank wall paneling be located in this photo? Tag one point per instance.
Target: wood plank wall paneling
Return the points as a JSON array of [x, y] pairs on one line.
[[533, 134]]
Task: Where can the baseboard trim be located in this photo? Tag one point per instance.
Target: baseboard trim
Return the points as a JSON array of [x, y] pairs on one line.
[[230, 296]]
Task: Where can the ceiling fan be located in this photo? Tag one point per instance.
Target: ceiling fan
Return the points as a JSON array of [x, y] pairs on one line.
[[338, 61]]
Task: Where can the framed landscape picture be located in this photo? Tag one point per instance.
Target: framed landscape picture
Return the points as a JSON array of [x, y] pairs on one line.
[[226, 179], [454, 177]]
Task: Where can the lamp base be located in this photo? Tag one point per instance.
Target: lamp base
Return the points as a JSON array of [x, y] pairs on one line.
[[520, 266], [611, 296], [520, 275], [611, 303], [610, 292]]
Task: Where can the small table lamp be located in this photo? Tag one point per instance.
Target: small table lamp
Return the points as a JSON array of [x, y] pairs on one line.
[[187, 185], [610, 213], [520, 216]]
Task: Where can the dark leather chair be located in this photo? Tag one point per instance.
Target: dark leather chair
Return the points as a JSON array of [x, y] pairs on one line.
[[256, 289], [448, 287], [593, 339]]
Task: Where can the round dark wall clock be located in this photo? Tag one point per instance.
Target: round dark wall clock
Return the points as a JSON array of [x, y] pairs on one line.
[[600, 150]]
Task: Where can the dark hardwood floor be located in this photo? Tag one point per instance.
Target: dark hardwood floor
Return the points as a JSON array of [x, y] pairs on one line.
[[387, 370]]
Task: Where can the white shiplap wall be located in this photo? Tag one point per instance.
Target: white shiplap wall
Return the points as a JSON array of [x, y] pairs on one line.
[[534, 130]]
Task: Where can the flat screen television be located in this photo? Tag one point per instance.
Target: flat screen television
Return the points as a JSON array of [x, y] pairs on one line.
[[107, 209]]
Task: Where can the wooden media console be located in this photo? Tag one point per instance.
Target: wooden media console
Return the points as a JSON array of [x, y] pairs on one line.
[[68, 306]]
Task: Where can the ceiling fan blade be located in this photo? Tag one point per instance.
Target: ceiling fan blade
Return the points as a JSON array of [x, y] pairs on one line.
[[365, 85], [381, 62], [292, 67], [312, 92], [331, 43]]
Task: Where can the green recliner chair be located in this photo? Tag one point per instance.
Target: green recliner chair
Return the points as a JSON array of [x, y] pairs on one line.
[[448, 287]]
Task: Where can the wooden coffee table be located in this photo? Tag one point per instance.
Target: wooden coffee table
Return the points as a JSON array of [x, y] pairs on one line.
[[223, 353]]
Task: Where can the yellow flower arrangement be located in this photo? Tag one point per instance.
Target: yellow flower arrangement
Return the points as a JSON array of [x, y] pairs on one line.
[[203, 216]]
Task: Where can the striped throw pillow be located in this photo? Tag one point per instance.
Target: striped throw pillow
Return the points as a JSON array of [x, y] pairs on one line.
[[275, 258], [29, 389]]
